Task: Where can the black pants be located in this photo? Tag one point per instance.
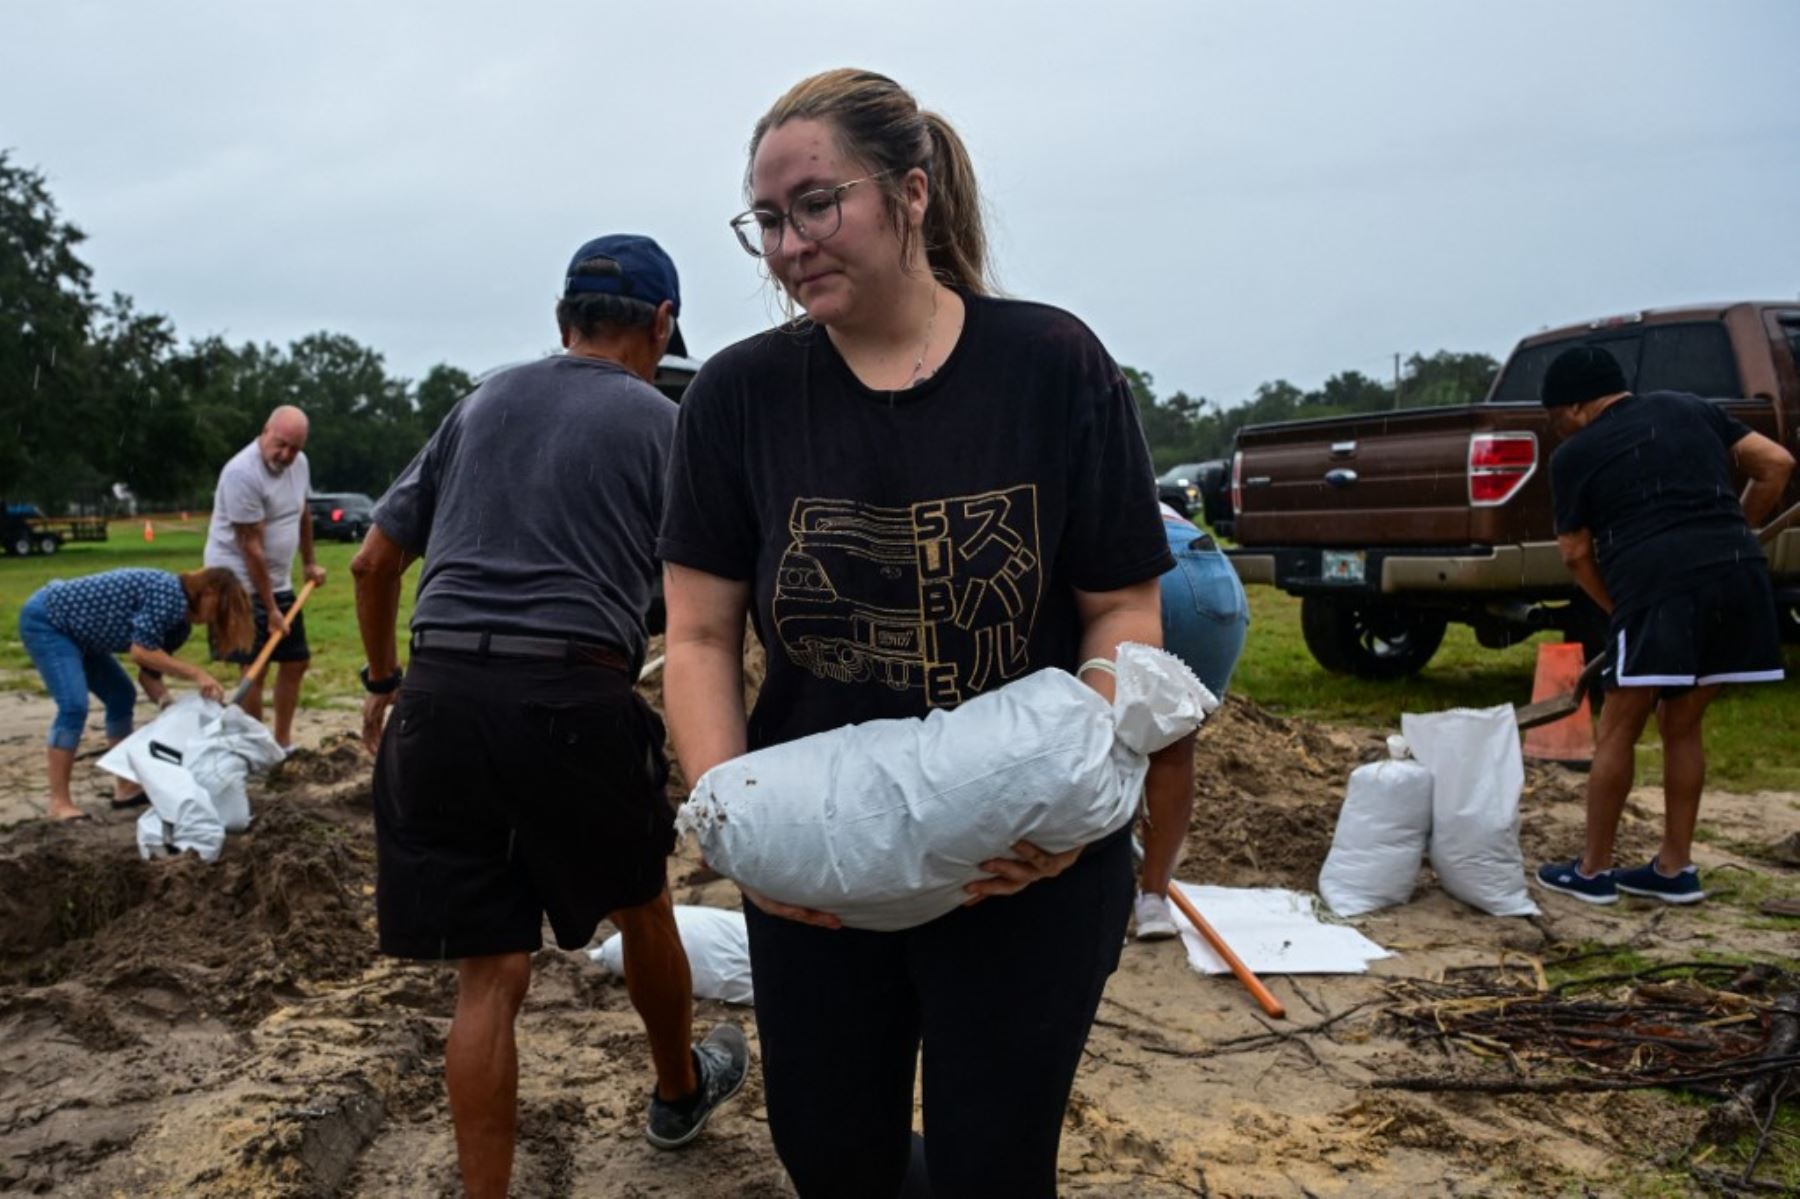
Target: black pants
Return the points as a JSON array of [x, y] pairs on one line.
[[1002, 996]]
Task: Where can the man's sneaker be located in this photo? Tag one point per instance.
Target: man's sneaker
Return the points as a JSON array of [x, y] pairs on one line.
[[1568, 878], [1684, 887], [1154, 922], [722, 1062]]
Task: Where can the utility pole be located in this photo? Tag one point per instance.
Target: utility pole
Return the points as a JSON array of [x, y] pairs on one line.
[[1396, 378]]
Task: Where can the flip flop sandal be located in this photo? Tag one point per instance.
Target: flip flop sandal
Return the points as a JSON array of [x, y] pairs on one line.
[[77, 819]]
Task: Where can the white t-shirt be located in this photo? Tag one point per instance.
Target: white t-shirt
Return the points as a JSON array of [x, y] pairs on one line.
[[250, 493]]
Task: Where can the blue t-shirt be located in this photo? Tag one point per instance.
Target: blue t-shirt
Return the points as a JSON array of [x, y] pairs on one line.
[[110, 612]]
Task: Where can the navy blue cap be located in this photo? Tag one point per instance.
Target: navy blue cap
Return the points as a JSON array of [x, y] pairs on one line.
[[644, 272]]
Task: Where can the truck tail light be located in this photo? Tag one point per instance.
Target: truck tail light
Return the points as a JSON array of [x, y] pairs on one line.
[[337, 514], [1237, 483], [1499, 465]]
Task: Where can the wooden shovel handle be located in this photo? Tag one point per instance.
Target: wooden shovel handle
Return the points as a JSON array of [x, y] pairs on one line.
[[262, 659], [1263, 995]]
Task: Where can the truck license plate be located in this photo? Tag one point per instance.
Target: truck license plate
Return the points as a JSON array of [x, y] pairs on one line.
[[1342, 566]]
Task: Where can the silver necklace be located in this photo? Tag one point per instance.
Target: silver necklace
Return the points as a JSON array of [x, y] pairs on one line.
[[919, 374]]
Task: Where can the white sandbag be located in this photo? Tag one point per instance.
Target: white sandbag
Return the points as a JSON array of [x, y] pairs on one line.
[[884, 823], [223, 754], [181, 814], [173, 728], [718, 953], [1381, 834], [1477, 774]]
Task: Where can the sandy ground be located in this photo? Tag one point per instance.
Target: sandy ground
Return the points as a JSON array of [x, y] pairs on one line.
[[174, 1028]]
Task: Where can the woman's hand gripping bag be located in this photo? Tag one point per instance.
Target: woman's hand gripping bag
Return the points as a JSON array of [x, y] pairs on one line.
[[883, 824]]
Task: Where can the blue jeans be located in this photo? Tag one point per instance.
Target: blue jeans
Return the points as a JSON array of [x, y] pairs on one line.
[[1205, 613], [70, 672]]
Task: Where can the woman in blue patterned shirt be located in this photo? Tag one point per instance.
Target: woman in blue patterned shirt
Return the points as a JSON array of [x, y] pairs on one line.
[[73, 628]]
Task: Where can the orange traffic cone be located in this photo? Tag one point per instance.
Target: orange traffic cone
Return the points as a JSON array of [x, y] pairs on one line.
[[149, 532], [1571, 739]]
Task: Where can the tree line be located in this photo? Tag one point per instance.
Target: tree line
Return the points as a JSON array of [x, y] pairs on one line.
[[95, 392], [1182, 428]]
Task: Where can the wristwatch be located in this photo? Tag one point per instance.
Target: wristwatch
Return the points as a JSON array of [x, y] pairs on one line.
[[385, 686]]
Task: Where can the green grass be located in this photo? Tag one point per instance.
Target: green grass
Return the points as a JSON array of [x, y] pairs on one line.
[[1752, 733], [330, 613]]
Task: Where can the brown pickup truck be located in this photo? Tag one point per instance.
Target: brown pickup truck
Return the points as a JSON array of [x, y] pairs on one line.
[[1391, 525]]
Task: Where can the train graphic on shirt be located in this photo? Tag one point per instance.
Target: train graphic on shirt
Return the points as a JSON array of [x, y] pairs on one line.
[[941, 595]]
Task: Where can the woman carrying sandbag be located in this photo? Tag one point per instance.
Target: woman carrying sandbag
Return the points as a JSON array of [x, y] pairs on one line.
[[74, 628], [918, 492], [1205, 618]]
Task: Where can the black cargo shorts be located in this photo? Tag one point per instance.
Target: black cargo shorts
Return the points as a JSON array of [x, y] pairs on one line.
[[511, 789]]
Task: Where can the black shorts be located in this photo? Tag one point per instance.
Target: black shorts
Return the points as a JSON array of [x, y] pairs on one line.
[[1724, 631], [293, 647], [510, 789]]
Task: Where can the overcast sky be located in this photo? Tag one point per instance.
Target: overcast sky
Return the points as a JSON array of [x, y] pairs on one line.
[[1226, 193]]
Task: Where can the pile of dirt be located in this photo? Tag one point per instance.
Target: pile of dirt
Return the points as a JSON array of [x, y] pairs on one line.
[[287, 904]]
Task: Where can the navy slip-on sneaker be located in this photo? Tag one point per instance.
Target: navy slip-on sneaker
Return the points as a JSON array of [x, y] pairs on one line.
[[1647, 880], [1568, 878]]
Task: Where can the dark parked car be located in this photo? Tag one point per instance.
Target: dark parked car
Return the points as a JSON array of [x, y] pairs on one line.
[[343, 515], [1199, 490]]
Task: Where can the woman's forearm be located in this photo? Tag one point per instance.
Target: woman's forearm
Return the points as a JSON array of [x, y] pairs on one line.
[[162, 663], [703, 699]]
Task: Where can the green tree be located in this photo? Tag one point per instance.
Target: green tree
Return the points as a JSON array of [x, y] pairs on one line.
[[442, 388], [1447, 377], [46, 311]]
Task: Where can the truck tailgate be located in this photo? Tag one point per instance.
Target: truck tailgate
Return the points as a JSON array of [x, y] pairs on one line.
[[1398, 478]]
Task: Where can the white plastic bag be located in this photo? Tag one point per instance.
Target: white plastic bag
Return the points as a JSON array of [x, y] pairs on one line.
[[1477, 774], [884, 823], [173, 728], [181, 814], [718, 953], [192, 761], [225, 752], [1381, 834]]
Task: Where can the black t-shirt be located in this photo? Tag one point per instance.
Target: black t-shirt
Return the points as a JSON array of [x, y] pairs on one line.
[[1651, 478], [908, 550]]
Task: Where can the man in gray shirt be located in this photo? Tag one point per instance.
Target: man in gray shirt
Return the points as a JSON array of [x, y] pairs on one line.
[[521, 775], [259, 521]]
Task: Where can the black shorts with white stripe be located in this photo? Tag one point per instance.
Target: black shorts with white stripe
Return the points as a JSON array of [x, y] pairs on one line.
[[1724, 631]]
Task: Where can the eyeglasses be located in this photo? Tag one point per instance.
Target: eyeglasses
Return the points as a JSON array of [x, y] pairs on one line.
[[815, 215]]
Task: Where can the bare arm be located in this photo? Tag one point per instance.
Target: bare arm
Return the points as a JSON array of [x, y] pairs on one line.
[[1769, 467], [1577, 551], [310, 569], [378, 568], [256, 562], [163, 663], [703, 673], [1131, 613]]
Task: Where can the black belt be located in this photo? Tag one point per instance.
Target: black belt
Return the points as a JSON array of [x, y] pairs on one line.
[[513, 645]]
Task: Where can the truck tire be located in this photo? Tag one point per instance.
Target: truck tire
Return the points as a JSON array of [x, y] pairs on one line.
[[1369, 642], [48, 545], [19, 545]]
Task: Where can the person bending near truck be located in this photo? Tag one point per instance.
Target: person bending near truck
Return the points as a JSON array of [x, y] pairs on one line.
[[259, 520], [1653, 529], [522, 774], [73, 629]]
